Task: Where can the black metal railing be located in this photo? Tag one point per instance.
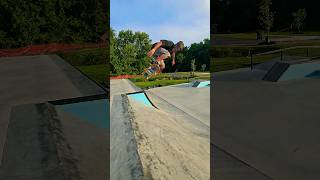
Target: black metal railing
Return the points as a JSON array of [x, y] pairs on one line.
[[292, 53]]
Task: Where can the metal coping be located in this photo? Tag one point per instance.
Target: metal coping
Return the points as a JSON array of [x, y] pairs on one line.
[[145, 95], [79, 99]]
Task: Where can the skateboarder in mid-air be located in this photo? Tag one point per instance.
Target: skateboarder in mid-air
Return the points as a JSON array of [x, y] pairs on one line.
[[163, 50]]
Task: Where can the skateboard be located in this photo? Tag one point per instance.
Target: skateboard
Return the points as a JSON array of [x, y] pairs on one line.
[[152, 70]]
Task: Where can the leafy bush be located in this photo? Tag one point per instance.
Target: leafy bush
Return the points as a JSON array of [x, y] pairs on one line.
[[38, 22]]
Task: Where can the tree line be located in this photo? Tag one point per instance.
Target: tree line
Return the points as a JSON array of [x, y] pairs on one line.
[[242, 16], [128, 54], [64, 21]]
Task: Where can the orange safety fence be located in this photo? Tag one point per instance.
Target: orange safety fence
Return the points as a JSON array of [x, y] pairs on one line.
[[46, 48], [124, 77]]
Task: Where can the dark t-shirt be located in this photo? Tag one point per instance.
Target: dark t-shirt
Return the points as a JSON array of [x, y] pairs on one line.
[[166, 44]]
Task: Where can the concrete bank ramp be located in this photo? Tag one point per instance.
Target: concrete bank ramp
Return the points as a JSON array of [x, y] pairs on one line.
[[193, 101], [170, 143], [200, 84], [38, 79], [124, 158], [141, 97], [301, 70], [153, 139], [270, 126], [53, 144], [292, 70]]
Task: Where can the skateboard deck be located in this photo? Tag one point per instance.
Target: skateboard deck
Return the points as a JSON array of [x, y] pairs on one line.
[[151, 71]]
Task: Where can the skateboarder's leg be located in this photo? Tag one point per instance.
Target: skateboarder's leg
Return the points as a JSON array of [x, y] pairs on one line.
[[162, 65]]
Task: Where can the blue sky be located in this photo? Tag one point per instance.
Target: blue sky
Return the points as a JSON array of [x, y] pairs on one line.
[[186, 20]]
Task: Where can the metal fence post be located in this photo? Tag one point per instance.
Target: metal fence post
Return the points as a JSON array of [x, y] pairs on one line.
[[251, 63]]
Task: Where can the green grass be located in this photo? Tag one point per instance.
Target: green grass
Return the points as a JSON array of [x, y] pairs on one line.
[[166, 79], [91, 62], [98, 73], [304, 33], [159, 83], [82, 57], [253, 35], [241, 51], [229, 63], [248, 36]]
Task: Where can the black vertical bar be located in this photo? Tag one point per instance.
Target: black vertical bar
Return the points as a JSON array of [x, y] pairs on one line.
[[307, 52], [251, 61], [281, 55]]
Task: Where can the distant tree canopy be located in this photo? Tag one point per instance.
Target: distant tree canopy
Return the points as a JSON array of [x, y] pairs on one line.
[[197, 51], [43, 21], [128, 54], [128, 51], [241, 16], [265, 16], [298, 19]]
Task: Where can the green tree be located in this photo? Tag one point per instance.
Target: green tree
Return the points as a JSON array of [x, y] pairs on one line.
[[128, 52], [193, 66], [180, 61], [44, 21], [299, 18], [265, 17], [203, 67]]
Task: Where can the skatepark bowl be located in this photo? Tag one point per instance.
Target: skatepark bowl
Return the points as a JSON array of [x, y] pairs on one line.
[[141, 97], [95, 111], [297, 71], [200, 84]]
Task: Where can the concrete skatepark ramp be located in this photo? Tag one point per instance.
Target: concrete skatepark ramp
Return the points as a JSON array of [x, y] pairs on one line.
[[63, 143], [141, 97], [193, 101], [159, 143], [285, 71], [200, 84], [269, 127]]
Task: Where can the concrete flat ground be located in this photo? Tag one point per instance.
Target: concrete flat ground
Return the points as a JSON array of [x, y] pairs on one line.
[[37, 79], [171, 144], [270, 126], [194, 101]]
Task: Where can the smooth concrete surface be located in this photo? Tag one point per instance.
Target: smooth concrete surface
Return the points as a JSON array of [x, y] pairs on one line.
[[30, 151], [125, 161], [37, 79], [227, 167], [43, 144], [192, 100], [170, 146], [271, 126], [301, 70], [170, 143], [121, 86], [89, 144]]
